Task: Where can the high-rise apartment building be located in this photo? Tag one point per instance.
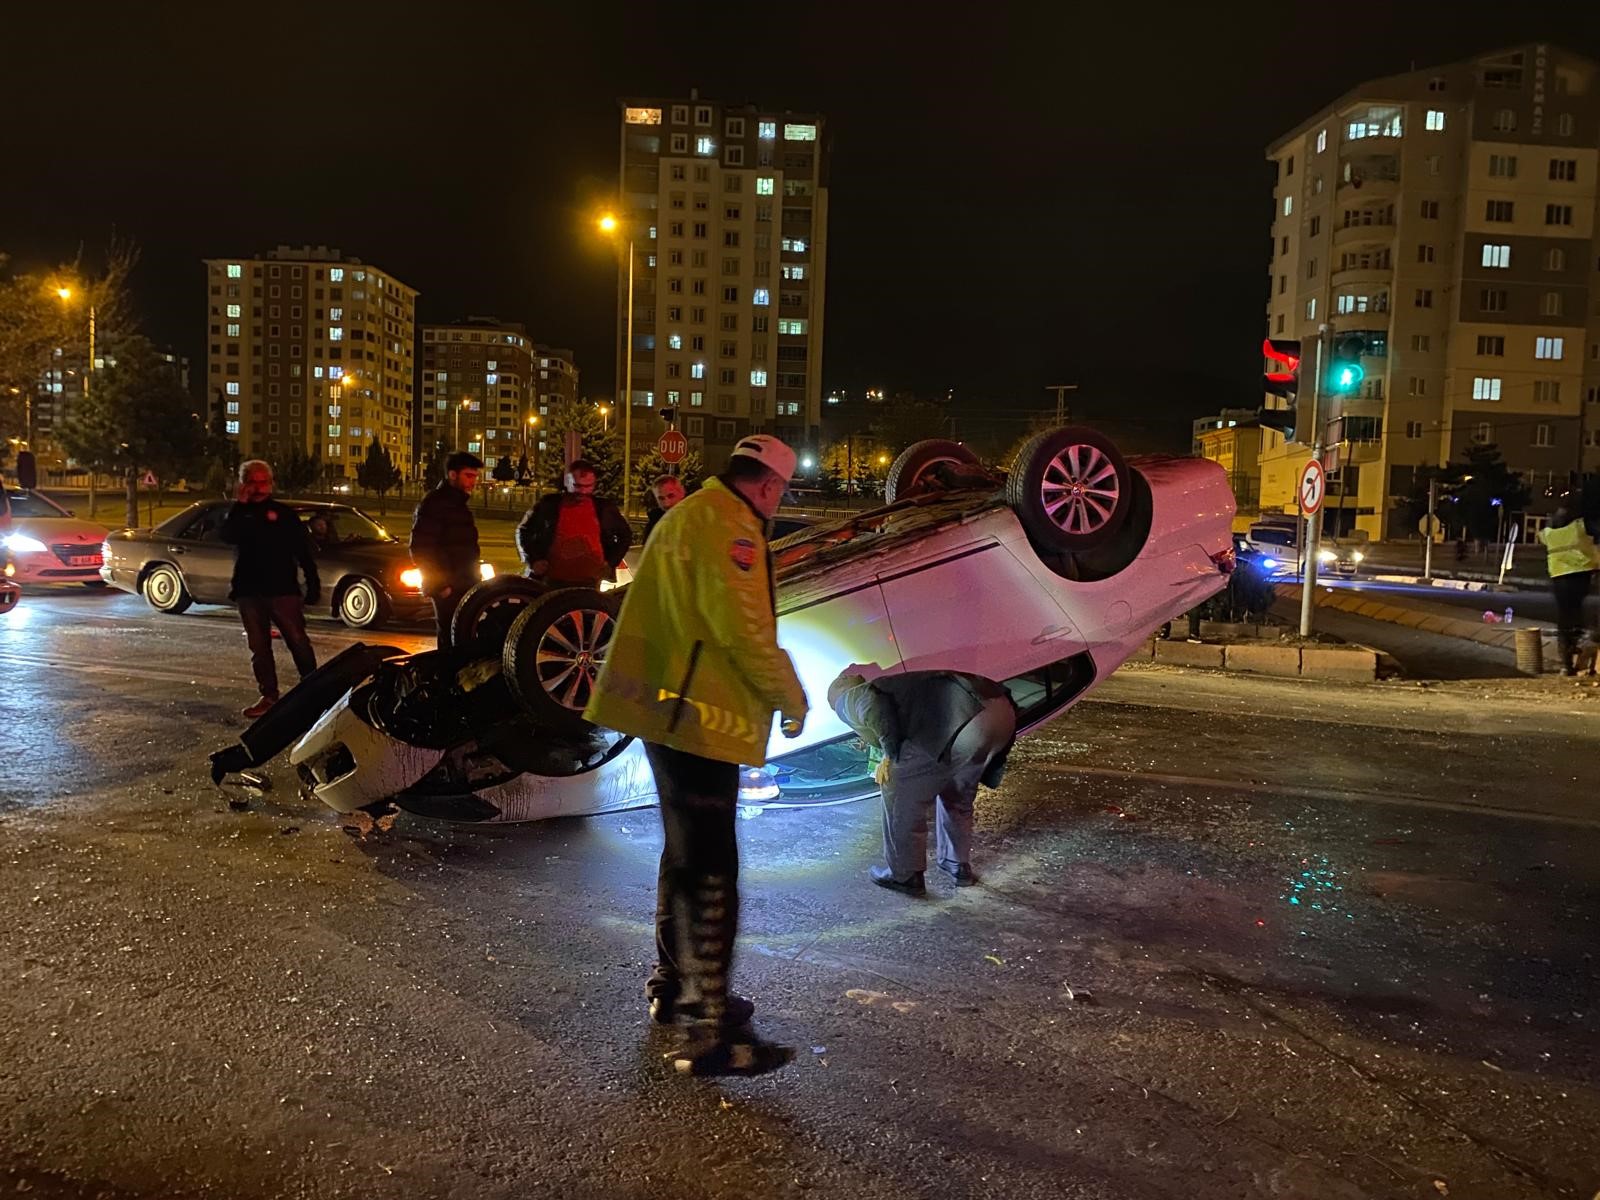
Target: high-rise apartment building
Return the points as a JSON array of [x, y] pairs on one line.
[[309, 350], [728, 211], [1449, 216], [479, 388], [557, 375]]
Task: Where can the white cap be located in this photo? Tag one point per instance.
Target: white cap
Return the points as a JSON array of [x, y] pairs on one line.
[[769, 452]]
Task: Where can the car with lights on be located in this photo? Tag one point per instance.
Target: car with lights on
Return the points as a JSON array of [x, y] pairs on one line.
[[1276, 542], [48, 544], [368, 577], [1046, 578]]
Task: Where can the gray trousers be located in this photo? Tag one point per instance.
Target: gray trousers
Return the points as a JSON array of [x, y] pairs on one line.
[[917, 779]]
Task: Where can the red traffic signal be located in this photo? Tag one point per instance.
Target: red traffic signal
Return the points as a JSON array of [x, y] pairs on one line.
[[1282, 377]]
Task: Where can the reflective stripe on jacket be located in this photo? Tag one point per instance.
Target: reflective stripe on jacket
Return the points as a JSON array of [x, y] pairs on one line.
[[1570, 549], [695, 662]]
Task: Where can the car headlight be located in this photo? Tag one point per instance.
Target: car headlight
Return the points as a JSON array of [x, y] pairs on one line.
[[1356, 556], [21, 543], [1269, 563], [486, 570], [1327, 556], [411, 577]]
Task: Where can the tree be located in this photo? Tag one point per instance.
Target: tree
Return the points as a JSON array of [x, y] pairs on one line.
[[378, 473], [648, 469], [601, 446], [136, 418], [504, 470], [1484, 490], [35, 320], [298, 472]]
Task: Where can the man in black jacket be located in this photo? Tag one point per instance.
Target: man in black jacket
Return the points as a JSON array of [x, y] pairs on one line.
[[270, 542], [444, 539], [941, 734], [574, 538], [666, 491]]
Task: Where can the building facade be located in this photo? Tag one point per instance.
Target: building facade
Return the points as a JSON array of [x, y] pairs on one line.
[[728, 211], [310, 351], [1232, 439], [1449, 216], [479, 388]]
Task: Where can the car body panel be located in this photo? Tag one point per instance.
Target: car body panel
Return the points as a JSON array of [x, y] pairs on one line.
[[191, 542], [47, 543]]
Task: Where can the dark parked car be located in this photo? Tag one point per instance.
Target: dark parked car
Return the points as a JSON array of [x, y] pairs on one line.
[[367, 576]]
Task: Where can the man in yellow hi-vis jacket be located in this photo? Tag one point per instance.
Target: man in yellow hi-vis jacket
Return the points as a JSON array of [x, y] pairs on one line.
[[695, 671]]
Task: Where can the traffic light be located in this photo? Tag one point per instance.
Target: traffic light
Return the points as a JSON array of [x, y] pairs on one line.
[[1345, 372], [1282, 378]]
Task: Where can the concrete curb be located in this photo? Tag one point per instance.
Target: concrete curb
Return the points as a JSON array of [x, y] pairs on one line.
[[1344, 664], [1457, 585], [1442, 622]]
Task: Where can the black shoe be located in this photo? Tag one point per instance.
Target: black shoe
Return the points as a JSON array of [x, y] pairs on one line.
[[884, 878], [736, 1056], [962, 873], [665, 1010]]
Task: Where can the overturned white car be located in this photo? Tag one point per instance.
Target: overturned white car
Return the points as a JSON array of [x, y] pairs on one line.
[[1046, 579]]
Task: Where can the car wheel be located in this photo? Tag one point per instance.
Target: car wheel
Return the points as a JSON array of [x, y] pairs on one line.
[[362, 605], [487, 610], [555, 652], [163, 589], [917, 467], [1071, 488]]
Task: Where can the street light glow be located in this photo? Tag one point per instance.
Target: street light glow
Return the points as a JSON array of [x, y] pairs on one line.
[[807, 463], [64, 292], [608, 223]]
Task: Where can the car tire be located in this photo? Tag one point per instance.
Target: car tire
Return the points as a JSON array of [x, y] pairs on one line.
[[554, 654], [361, 604], [488, 609], [1071, 489], [917, 467], [163, 589]]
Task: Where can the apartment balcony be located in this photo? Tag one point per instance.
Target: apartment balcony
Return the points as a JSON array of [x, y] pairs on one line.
[[1358, 275], [1359, 235]]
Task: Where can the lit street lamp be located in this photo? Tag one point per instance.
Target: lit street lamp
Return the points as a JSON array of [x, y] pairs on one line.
[[533, 436], [64, 293], [611, 226], [605, 418], [459, 408]]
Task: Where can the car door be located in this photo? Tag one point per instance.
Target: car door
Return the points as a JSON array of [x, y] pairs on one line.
[[204, 558]]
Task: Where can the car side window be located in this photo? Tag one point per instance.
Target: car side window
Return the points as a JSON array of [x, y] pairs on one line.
[[207, 527]]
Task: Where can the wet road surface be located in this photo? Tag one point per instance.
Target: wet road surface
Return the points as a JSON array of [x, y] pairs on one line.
[[1236, 937]]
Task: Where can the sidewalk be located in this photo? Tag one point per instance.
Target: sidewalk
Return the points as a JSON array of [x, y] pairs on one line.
[[1403, 560]]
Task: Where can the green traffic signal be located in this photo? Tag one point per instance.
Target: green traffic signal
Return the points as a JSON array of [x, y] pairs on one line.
[[1347, 377], [1346, 372]]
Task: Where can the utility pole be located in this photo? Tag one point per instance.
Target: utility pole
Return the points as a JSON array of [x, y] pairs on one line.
[[1063, 413], [1427, 532], [1312, 540]]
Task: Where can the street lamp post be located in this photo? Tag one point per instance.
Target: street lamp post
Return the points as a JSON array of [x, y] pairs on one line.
[[605, 418], [609, 224], [533, 436]]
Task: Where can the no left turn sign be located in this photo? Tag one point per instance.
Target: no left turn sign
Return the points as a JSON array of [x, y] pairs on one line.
[[1313, 487]]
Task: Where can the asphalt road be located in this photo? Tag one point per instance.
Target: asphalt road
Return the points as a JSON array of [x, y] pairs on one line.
[[1236, 938], [1527, 605]]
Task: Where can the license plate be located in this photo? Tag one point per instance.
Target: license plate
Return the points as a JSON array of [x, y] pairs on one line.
[[83, 560]]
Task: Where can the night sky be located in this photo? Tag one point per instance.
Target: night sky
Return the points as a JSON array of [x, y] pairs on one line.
[[1017, 199]]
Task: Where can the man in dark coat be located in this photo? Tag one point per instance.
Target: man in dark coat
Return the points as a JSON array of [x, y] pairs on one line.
[[574, 538], [271, 550], [444, 539], [941, 734], [666, 492]]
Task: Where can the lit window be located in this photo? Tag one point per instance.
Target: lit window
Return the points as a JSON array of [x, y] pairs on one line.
[[336, 314], [1435, 120], [705, 145], [791, 325], [491, 377], [758, 378], [1496, 255], [696, 399], [674, 341], [794, 271], [235, 270], [799, 133], [642, 116], [767, 129], [1288, 205], [335, 274], [1311, 309], [233, 408], [233, 387], [1486, 388], [233, 329], [338, 373], [232, 427], [1322, 140], [333, 431], [763, 185], [1549, 347], [1380, 121], [335, 334], [697, 370], [234, 311], [760, 297]]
